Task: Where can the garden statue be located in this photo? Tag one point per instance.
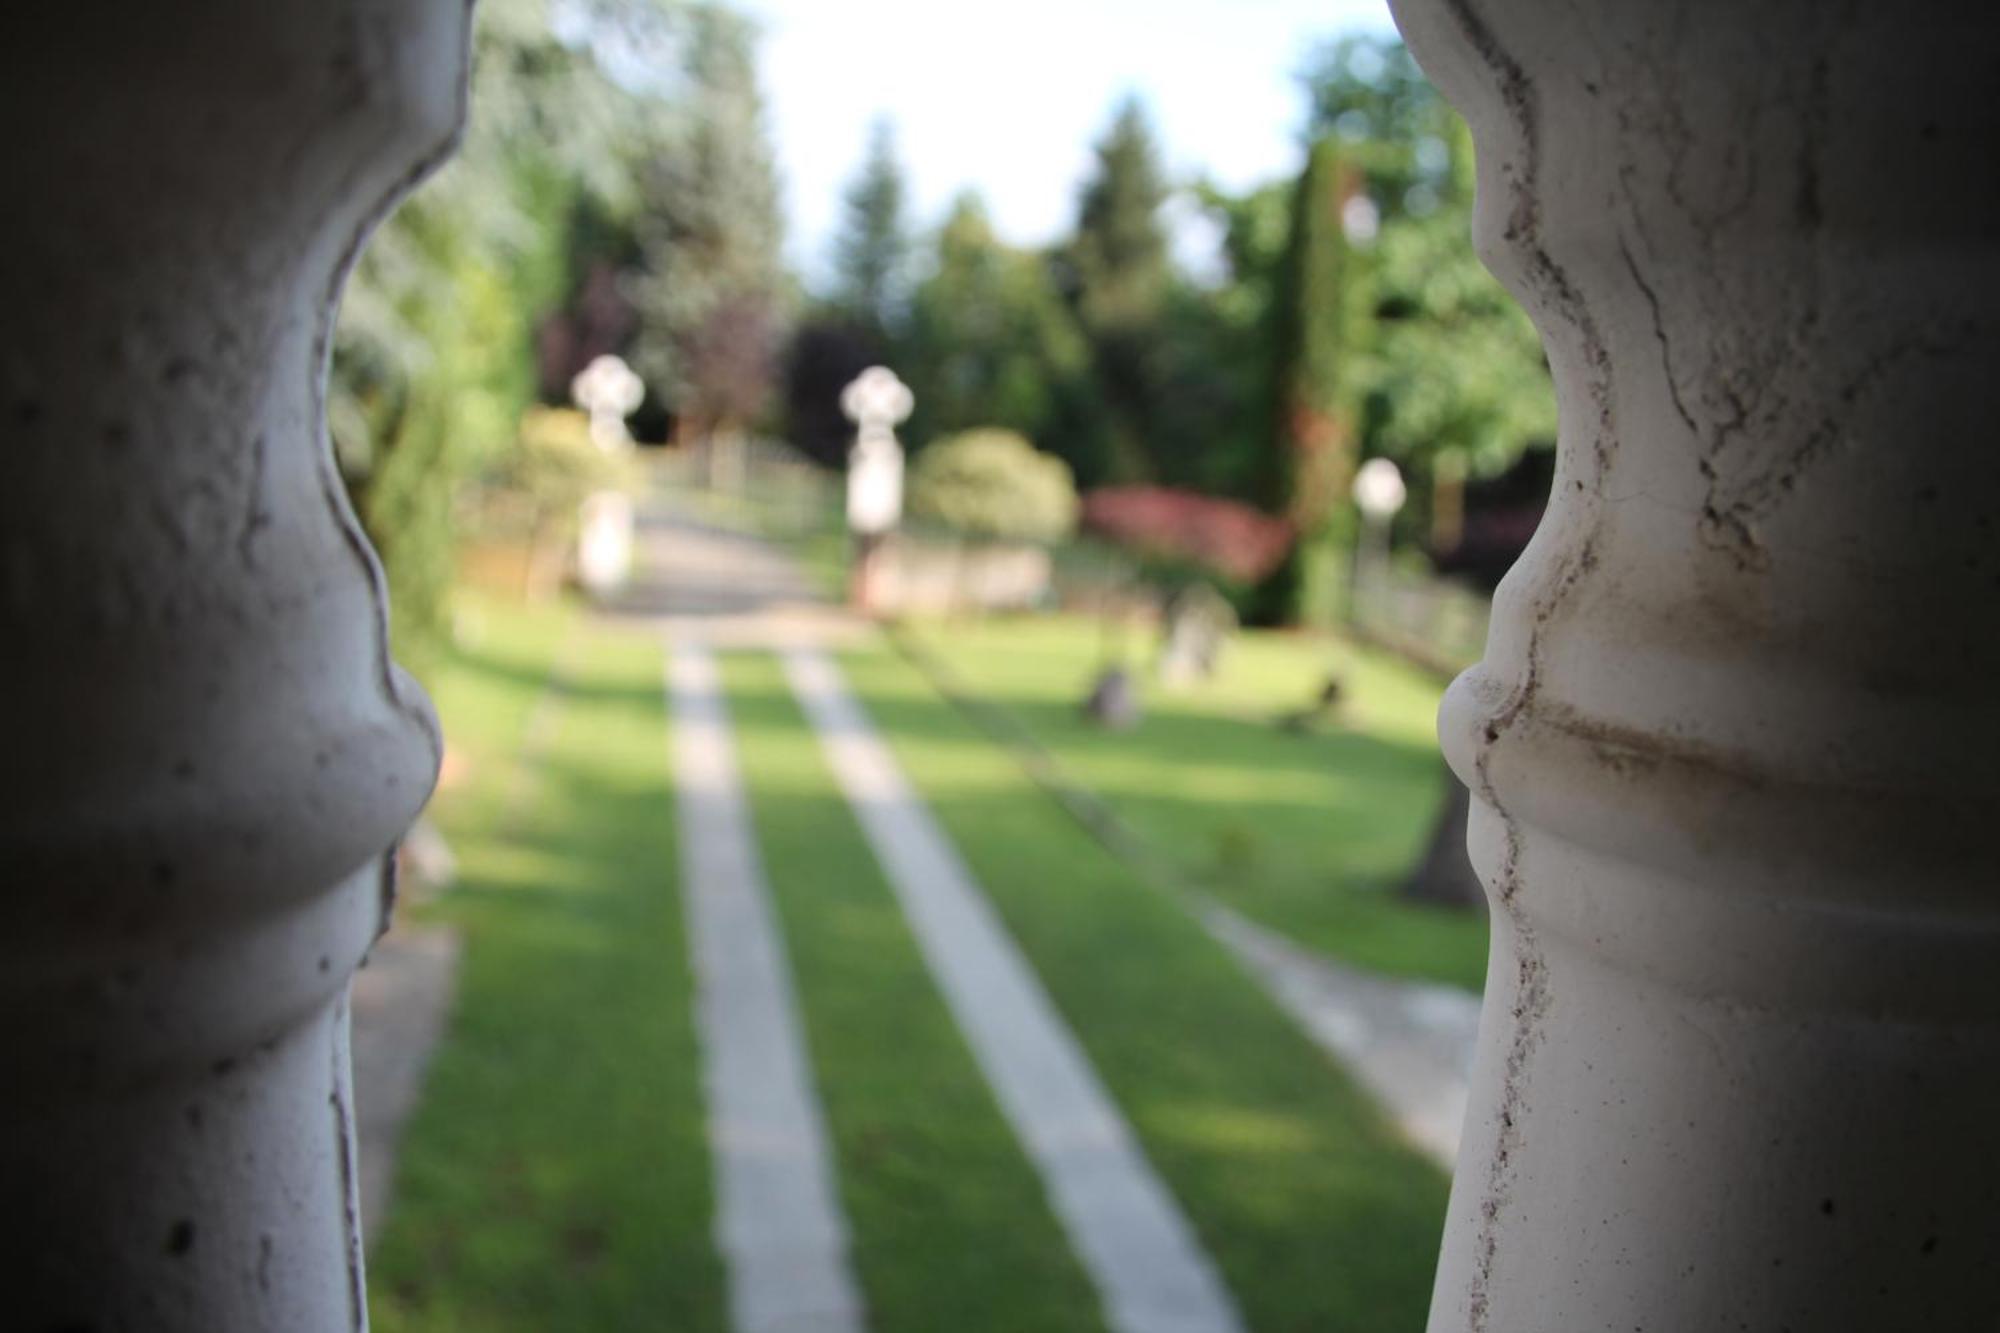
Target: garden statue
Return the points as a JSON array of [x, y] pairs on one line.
[[876, 402], [609, 391], [604, 543]]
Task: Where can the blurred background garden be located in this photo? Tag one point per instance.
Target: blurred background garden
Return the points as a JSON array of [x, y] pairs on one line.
[[1209, 482]]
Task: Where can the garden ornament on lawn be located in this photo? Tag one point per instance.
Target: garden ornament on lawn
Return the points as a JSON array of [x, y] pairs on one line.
[[609, 391], [876, 402], [1199, 621]]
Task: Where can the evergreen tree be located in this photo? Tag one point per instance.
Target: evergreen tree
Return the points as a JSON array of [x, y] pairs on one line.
[[872, 251], [712, 294], [991, 343], [1311, 466], [1117, 276]]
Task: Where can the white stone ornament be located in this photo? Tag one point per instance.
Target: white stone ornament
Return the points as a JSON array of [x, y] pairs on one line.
[[877, 402], [1378, 489], [604, 543], [609, 390]]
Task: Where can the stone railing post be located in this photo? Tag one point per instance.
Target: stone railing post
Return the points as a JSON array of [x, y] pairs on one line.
[[207, 751], [1733, 742]]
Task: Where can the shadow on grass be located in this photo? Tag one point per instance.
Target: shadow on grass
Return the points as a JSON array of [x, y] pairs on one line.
[[1312, 835]]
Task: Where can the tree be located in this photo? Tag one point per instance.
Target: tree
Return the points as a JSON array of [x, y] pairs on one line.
[[1455, 368], [1116, 274], [1368, 93], [1311, 464], [432, 358], [711, 297], [1449, 377], [872, 250], [826, 351], [990, 342]]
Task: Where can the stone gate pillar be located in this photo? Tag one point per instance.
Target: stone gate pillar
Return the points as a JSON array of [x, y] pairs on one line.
[[1733, 742], [207, 752]]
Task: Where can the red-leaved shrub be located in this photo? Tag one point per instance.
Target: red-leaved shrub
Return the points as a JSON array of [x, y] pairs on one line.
[[1238, 542]]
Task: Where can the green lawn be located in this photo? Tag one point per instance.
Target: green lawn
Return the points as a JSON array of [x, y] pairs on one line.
[[950, 1227], [1309, 834], [1318, 1215], [555, 1176]]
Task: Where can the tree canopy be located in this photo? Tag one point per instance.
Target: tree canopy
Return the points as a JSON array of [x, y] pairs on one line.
[[872, 248], [713, 289]]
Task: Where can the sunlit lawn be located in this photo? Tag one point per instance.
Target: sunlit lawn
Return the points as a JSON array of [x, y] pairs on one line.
[[1308, 833], [556, 1176], [1318, 1216]]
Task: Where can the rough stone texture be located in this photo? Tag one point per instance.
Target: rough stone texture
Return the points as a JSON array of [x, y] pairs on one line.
[[208, 751], [1732, 743]]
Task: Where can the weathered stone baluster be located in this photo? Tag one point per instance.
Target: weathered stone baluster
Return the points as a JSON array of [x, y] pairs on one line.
[[1734, 739], [207, 751]]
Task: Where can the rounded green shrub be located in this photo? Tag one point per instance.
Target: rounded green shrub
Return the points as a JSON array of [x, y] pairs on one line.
[[994, 484]]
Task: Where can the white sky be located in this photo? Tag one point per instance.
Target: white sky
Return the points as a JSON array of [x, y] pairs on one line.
[[986, 95]]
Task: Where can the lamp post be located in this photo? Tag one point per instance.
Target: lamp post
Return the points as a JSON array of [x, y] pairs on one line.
[[1379, 493], [609, 391]]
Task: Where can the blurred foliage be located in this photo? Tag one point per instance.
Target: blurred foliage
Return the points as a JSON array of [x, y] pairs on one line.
[[1116, 274], [988, 341], [431, 361], [994, 484], [872, 249], [828, 349], [1366, 91], [1450, 365], [712, 292], [1454, 366], [555, 465]]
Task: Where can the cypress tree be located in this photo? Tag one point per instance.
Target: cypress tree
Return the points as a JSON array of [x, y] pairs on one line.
[[1310, 467]]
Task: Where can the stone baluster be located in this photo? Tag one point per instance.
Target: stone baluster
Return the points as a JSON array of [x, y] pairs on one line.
[[208, 753], [1733, 742]]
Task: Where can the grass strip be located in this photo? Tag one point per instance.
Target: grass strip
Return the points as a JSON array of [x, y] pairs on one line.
[[556, 1175], [1308, 831], [951, 1229], [1318, 1214]]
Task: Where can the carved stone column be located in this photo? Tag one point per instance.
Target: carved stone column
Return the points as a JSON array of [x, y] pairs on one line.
[[207, 751], [1733, 742]]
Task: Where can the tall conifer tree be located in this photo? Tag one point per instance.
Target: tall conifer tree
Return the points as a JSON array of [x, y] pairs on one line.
[[1117, 276], [1311, 465], [872, 249]]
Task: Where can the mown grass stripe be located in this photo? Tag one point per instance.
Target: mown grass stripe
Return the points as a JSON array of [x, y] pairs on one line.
[[1318, 1215], [950, 1227], [778, 1217], [1130, 1234], [555, 1175]]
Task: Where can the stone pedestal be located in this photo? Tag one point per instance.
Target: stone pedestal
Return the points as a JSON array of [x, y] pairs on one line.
[[208, 751], [1732, 744]]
